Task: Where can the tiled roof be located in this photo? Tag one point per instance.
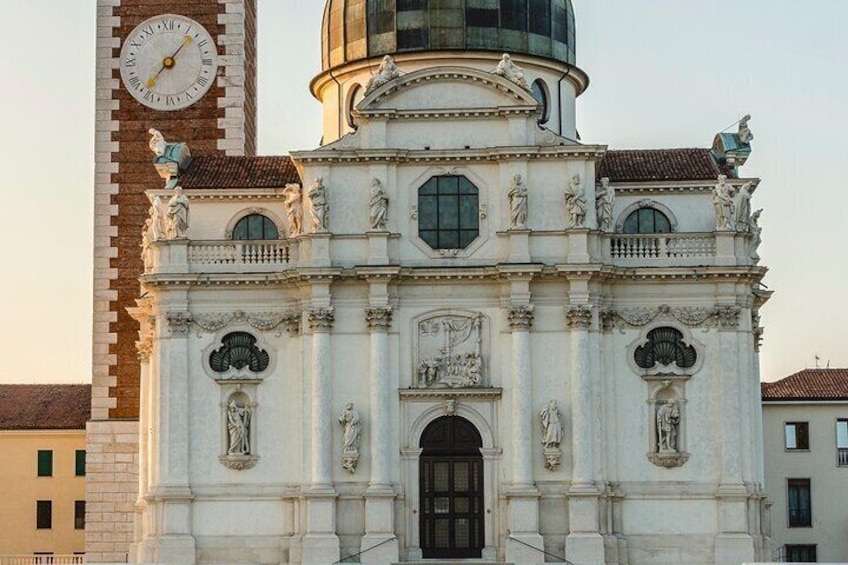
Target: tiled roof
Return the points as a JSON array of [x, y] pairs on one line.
[[213, 171], [645, 165], [809, 384], [44, 407]]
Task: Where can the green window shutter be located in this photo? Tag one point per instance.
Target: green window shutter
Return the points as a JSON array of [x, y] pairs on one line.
[[80, 463], [45, 463]]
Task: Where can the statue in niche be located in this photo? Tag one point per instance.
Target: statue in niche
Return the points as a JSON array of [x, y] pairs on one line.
[[388, 71], [157, 142], [518, 204], [723, 203], [378, 206], [743, 207], [293, 204], [511, 72], [450, 352], [320, 207], [746, 136], [604, 202], [552, 433], [575, 202], [668, 422], [352, 424], [238, 427], [177, 215], [756, 234]]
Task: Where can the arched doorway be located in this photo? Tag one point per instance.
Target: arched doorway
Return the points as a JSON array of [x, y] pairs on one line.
[[452, 506]]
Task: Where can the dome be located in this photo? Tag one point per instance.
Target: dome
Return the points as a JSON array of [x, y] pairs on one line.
[[360, 29]]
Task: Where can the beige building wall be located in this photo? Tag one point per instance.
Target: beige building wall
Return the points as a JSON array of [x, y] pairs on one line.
[[22, 487], [828, 480]]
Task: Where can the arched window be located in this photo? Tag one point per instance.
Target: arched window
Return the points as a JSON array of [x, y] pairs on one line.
[[255, 226], [647, 220], [239, 351], [540, 93], [665, 346], [354, 97], [448, 212]]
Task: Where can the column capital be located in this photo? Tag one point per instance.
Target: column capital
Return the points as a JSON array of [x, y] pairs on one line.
[[520, 317], [579, 317], [379, 319], [144, 347], [321, 318], [178, 322]]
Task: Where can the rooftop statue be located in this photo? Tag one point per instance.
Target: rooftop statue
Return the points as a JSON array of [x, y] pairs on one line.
[[745, 134], [510, 71], [157, 142], [388, 71]]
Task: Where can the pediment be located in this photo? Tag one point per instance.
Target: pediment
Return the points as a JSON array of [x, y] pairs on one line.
[[447, 90]]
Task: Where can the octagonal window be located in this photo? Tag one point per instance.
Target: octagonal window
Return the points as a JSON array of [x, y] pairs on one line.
[[448, 212]]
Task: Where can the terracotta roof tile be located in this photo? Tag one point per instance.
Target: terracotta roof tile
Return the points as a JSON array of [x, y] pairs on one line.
[[809, 384], [645, 165], [44, 407], [213, 171]]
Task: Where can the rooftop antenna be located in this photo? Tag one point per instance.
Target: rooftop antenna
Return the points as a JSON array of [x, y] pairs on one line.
[[817, 358]]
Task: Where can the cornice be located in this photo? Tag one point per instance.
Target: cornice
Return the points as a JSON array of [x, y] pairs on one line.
[[494, 154], [245, 193], [659, 187]]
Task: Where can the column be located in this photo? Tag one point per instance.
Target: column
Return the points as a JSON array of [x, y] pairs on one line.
[[584, 543], [321, 544], [379, 498], [524, 543]]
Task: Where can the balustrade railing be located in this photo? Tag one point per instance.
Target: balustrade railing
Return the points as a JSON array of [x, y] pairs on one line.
[[42, 559], [238, 253], [842, 456], [662, 246]]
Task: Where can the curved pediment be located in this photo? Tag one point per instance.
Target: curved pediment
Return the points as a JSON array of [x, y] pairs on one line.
[[446, 90]]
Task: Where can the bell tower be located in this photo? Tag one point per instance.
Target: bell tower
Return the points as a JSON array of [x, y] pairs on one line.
[[188, 69]]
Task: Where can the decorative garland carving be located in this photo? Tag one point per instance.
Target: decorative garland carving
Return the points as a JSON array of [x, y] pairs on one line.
[[262, 321], [725, 317], [520, 317], [379, 319], [579, 317]]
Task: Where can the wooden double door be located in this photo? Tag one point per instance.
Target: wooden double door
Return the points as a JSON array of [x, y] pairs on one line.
[[452, 506]]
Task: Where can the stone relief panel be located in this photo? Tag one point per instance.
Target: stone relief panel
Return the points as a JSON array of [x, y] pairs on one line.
[[450, 351]]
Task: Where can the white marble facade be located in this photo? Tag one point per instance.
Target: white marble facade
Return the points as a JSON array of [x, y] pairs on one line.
[[248, 464]]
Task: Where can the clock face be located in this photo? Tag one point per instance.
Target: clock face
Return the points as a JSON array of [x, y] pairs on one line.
[[169, 62]]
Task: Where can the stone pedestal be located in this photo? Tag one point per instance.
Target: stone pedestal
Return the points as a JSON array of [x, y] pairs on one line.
[[519, 246], [378, 248], [379, 544], [524, 544], [578, 246], [725, 248], [318, 249], [170, 256], [321, 544]]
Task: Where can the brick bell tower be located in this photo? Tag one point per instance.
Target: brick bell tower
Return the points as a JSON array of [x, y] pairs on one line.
[[188, 69]]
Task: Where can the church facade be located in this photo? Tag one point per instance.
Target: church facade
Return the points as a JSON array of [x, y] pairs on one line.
[[452, 331]]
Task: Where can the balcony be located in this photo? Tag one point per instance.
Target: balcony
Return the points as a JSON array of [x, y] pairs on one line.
[[842, 456], [227, 256], [674, 250]]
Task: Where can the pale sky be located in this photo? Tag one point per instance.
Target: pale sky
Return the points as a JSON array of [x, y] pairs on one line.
[[665, 73]]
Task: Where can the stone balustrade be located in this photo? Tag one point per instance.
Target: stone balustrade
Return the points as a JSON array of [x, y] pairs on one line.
[[41, 559], [669, 249], [210, 253]]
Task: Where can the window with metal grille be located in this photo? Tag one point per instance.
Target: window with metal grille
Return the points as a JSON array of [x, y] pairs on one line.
[[79, 463], [239, 351], [79, 514], [448, 212], [44, 514], [647, 220], [799, 503], [255, 226], [797, 436], [666, 347], [801, 554], [45, 462]]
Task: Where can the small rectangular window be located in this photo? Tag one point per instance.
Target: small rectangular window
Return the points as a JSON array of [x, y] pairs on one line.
[[79, 515], [799, 503], [80, 463], [45, 463], [801, 554], [842, 443], [797, 436], [44, 514]]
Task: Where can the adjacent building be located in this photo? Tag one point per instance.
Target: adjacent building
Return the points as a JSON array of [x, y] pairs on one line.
[[42, 438], [805, 437]]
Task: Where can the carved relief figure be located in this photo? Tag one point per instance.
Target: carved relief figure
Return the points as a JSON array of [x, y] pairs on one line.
[[668, 422], [604, 202], [178, 215], [518, 204], [320, 208], [725, 209], [378, 206], [746, 136], [238, 427], [743, 207], [551, 419], [510, 71], [388, 71], [575, 202], [156, 219], [157, 142], [450, 352], [293, 204], [352, 423]]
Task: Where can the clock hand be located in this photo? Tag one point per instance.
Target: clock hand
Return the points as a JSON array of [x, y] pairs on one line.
[[169, 62]]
